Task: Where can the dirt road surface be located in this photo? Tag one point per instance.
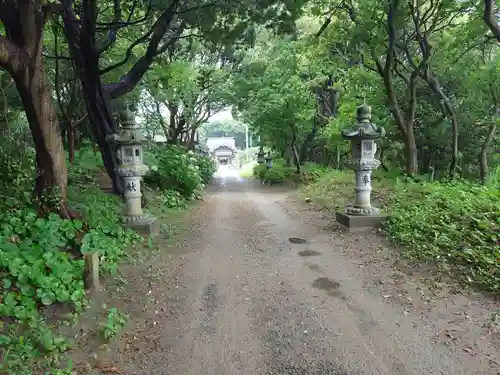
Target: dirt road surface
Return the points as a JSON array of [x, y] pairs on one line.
[[260, 286]]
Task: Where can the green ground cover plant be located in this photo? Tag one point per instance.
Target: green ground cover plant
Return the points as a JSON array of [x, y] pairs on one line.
[[41, 258], [454, 224], [41, 264]]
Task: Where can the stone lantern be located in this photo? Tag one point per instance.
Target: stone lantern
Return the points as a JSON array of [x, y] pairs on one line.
[[131, 168], [260, 156], [269, 160], [362, 215]]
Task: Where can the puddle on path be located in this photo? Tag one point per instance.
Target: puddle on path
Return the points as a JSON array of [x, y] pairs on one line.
[[314, 267], [331, 287], [297, 240], [309, 253]]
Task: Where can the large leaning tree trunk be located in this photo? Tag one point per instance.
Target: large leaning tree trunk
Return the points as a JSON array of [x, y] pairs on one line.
[[86, 51], [21, 56]]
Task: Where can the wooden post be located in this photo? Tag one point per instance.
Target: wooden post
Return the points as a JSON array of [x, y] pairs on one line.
[[91, 274]]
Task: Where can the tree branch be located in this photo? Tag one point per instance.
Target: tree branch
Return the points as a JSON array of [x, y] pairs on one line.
[[67, 58], [132, 78], [117, 23], [128, 53], [52, 8], [12, 58], [489, 17]]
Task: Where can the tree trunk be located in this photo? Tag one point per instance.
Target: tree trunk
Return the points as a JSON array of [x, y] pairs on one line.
[[296, 158], [293, 147], [307, 145], [71, 143], [21, 56], [103, 124], [78, 140], [190, 144], [97, 100], [288, 155], [40, 112], [483, 156], [411, 152], [171, 131], [337, 156], [447, 110]]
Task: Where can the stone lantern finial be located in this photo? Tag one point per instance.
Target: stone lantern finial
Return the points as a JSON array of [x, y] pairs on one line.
[[362, 215], [127, 118], [364, 113]]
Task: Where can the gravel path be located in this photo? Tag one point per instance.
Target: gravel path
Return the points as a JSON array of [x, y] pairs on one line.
[[257, 287]]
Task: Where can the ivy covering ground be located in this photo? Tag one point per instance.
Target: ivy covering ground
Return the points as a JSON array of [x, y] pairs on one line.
[[455, 224], [41, 263]]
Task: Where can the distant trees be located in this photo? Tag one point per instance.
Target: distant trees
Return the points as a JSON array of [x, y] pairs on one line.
[[94, 57], [224, 128], [429, 69]]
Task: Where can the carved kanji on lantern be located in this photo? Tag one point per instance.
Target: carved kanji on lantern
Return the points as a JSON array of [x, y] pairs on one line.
[[362, 137], [130, 154]]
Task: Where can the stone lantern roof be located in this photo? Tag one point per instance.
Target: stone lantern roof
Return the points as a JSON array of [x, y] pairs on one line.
[[364, 128], [129, 133]]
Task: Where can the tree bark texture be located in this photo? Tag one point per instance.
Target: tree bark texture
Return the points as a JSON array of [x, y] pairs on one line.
[[483, 156], [490, 17], [21, 56]]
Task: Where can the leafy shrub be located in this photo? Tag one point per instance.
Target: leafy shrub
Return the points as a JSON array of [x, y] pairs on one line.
[[455, 224], [207, 167], [40, 265], [259, 171], [278, 174], [177, 169], [37, 270], [17, 175]]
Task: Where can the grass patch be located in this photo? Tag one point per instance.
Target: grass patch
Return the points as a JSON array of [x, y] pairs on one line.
[[333, 190], [85, 166], [246, 170]]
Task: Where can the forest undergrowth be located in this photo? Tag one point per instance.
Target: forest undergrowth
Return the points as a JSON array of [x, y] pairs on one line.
[[454, 224], [41, 258]]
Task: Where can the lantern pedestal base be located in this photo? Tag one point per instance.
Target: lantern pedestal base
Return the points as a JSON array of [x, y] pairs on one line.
[[145, 225], [358, 223]]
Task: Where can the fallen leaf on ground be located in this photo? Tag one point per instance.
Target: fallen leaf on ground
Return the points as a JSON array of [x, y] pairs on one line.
[[112, 370]]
